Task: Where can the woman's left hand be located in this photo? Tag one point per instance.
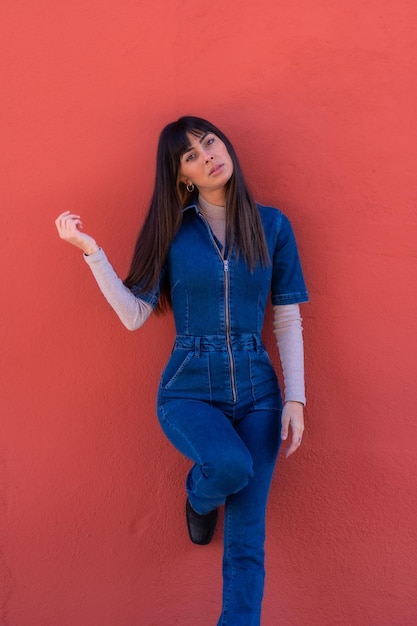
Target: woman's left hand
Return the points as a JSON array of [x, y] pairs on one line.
[[292, 415]]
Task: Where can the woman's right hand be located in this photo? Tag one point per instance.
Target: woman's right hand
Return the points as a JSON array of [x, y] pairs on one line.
[[69, 227]]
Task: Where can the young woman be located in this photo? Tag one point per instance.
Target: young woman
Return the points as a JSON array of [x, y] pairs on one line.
[[207, 251]]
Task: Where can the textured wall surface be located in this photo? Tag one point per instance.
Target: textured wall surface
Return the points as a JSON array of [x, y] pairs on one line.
[[319, 99]]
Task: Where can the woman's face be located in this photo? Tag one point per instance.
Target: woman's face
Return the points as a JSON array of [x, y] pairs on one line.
[[207, 163]]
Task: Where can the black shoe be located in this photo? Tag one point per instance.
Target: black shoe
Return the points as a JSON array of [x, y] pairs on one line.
[[200, 527]]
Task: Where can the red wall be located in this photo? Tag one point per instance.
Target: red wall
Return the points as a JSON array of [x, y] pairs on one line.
[[320, 100]]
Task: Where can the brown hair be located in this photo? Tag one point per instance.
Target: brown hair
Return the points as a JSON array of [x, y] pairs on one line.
[[244, 228]]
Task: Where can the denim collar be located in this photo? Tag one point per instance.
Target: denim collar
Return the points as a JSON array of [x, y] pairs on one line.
[[193, 204]]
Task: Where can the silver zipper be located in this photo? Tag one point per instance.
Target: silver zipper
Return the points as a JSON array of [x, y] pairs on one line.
[[228, 342], [226, 309]]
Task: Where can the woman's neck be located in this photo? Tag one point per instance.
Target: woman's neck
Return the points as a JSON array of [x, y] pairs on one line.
[[216, 217], [214, 196], [210, 210]]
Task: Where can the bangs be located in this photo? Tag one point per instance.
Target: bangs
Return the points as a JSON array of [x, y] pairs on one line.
[[176, 134], [177, 142]]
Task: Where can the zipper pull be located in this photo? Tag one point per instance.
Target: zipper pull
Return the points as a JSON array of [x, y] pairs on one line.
[[226, 265]]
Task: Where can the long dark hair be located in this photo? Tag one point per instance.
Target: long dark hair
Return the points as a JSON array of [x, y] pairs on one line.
[[244, 228]]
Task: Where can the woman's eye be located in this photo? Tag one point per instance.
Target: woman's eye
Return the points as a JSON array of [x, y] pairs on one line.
[[190, 157], [210, 141]]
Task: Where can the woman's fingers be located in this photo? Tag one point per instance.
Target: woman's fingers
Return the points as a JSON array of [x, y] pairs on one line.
[[67, 224], [295, 444]]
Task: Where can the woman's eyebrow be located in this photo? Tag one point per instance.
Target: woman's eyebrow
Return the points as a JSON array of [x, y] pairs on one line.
[[201, 139]]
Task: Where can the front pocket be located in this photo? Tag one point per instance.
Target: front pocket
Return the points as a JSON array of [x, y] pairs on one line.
[[176, 364], [265, 387], [267, 358]]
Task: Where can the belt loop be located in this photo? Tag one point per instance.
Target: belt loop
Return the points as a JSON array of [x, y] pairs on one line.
[[257, 344], [197, 346]]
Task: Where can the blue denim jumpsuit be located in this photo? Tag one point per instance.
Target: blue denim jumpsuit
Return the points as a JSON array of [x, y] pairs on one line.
[[219, 401]]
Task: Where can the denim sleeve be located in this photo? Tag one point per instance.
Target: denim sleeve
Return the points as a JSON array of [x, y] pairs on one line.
[[287, 285], [151, 297]]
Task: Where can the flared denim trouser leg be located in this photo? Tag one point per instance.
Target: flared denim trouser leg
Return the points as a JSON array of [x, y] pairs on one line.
[[233, 441], [244, 525]]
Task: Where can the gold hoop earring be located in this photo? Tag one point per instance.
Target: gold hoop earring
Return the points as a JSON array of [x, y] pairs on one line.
[[190, 187]]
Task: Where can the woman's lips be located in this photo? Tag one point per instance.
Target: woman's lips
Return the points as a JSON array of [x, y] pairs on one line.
[[216, 169]]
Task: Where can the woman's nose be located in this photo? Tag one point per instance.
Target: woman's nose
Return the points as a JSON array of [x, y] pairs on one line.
[[208, 157]]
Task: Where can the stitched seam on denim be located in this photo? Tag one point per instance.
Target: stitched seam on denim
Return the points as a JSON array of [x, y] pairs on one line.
[[209, 377], [264, 353], [290, 298], [261, 315], [174, 285], [175, 429], [251, 381], [187, 313], [173, 378], [233, 571]]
